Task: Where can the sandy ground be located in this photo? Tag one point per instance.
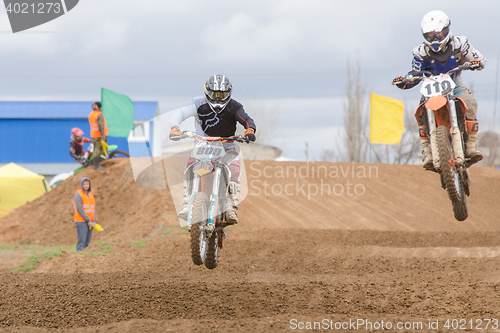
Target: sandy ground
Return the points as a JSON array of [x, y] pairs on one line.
[[393, 254]]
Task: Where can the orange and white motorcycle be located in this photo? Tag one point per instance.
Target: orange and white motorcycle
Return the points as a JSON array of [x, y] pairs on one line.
[[444, 116]]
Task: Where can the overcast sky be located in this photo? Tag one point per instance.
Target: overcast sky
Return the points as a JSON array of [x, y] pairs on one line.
[[273, 51]]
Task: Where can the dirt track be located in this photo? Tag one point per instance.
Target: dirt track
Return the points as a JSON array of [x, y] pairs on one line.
[[376, 256]]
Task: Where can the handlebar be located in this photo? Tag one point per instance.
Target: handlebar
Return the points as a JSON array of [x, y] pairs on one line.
[[199, 137], [420, 75]]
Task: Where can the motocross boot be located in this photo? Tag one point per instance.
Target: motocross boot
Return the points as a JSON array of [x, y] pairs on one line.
[[97, 163], [427, 161], [232, 202], [183, 214], [471, 149]]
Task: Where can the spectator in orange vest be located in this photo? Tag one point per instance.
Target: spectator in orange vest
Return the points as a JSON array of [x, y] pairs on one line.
[[85, 216], [98, 133]]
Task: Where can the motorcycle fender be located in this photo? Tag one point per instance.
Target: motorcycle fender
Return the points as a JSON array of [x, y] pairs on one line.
[[436, 102], [202, 168], [419, 112], [439, 104]]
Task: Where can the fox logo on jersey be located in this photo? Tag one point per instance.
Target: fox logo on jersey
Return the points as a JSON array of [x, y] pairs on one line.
[[209, 122]]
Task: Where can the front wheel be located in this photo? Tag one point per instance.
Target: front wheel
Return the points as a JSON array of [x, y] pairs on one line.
[[460, 208], [451, 176], [199, 239], [118, 154], [214, 242]]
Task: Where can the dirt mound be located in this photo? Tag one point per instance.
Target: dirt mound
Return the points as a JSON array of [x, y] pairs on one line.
[[364, 197], [125, 210], [382, 246], [280, 195]]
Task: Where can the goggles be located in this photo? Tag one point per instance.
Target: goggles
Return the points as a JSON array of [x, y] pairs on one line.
[[436, 36], [218, 95]]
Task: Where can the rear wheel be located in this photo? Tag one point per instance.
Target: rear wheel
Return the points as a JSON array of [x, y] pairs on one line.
[[451, 176], [118, 154], [199, 239]]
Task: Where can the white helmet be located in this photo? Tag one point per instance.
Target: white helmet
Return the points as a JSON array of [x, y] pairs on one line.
[[218, 90], [436, 30]]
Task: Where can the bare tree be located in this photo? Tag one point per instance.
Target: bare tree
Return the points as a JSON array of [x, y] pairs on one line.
[[266, 118], [404, 152], [355, 138], [356, 146], [489, 145], [328, 155], [407, 150]]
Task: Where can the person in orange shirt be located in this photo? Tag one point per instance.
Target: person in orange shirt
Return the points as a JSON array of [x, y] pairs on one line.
[[84, 214], [98, 133]]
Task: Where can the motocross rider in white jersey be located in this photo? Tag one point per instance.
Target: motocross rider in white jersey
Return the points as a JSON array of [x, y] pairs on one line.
[[439, 53], [216, 114]]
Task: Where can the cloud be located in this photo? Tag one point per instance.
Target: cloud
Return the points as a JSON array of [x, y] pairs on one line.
[[165, 47], [106, 35], [242, 39], [26, 43]]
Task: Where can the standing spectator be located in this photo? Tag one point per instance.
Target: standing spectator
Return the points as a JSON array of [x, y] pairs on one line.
[[85, 217], [98, 133]]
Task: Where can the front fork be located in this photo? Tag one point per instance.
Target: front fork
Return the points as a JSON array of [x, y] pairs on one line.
[[431, 119], [214, 199], [214, 202], [456, 137], [195, 189]]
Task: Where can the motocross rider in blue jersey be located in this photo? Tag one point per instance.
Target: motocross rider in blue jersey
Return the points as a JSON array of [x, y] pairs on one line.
[[439, 53]]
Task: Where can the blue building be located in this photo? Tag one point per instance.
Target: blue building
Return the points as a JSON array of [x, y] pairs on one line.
[[36, 135]]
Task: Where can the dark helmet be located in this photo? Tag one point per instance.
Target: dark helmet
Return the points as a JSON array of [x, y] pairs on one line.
[[218, 92], [96, 106]]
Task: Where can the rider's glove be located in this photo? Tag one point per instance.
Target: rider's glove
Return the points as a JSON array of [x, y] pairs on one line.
[[476, 64], [250, 135], [175, 133], [399, 79]]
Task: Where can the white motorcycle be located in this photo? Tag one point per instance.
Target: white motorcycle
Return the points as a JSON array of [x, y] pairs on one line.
[[208, 196]]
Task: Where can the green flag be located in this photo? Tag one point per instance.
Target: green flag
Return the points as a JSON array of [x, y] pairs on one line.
[[119, 112]]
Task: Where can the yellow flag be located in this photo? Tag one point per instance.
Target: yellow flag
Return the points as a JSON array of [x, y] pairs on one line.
[[104, 146], [97, 227], [386, 121]]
